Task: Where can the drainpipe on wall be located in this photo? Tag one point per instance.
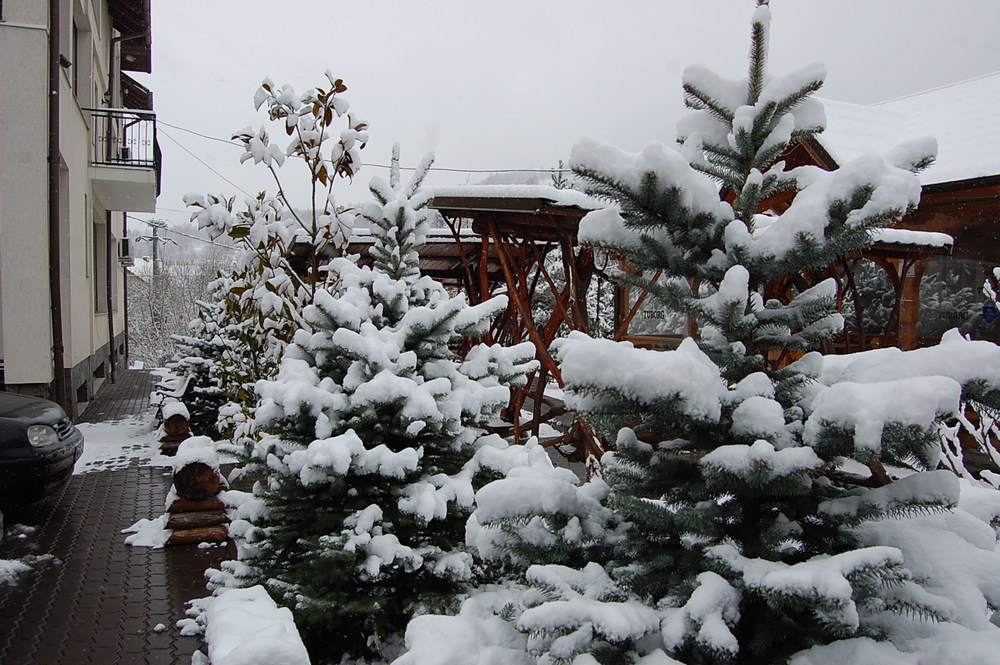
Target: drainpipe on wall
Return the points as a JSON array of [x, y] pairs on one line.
[[110, 277], [55, 289], [125, 290]]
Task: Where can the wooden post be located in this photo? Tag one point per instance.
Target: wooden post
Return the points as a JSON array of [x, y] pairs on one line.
[[484, 268], [909, 307]]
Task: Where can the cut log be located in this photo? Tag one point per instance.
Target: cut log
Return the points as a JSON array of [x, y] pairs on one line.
[[197, 481], [168, 448], [169, 444], [176, 425], [185, 506], [210, 534], [197, 519]]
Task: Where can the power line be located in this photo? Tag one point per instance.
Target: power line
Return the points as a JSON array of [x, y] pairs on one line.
[[191, 131], [204, 163], [372, 164]]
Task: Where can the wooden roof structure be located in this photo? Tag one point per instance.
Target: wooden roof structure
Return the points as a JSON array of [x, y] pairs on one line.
[[131, 18], [522, 225], [961, 189], [446, 256], [967, 210]]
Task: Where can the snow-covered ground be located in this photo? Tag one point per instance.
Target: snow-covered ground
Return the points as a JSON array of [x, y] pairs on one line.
[[115, 444], [148, 533]]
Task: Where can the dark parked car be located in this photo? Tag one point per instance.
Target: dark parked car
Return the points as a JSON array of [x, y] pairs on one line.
[[38, 447]]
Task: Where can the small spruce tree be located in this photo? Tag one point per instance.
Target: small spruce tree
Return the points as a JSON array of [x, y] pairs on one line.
[[369, 434], [737, 530], [196, 361]]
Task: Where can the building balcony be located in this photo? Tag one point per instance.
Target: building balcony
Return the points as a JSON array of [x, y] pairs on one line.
[[125, 159]]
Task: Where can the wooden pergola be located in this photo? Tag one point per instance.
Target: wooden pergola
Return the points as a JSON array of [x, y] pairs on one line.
[[457, 260], [520, 227], [502, 240]]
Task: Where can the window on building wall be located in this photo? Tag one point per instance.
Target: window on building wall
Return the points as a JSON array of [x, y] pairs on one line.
[[92, 213], [75, 50], [100, 263], [115, 267]]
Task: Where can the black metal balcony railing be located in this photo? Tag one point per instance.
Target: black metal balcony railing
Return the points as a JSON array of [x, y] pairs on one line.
[[124, 137]]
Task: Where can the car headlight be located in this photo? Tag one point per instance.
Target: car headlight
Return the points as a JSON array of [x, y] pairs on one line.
[[42, 435]]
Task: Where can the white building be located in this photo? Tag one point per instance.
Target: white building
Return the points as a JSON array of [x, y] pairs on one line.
[[108, 164]]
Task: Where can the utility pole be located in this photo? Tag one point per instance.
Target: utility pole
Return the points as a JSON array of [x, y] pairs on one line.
[[156, 251], [155, 238]]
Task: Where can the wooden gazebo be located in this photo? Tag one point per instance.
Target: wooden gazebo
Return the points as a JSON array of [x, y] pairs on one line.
[[502, 235], [521, 226]]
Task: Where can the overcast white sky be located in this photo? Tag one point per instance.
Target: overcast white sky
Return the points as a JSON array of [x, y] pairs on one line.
[[513, 84]]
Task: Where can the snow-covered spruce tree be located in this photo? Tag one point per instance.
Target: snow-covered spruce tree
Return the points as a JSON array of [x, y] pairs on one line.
[[873, 295], [977, 424], [277, 272], [991, 287], [746, 533], [196, 360], [371, 437]]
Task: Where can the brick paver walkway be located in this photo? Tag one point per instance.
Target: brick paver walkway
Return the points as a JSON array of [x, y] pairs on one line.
[[100, 603]]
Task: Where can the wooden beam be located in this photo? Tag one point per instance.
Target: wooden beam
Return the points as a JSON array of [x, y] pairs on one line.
[[544, 357], [909, 307], [623, 327], [559, 308]]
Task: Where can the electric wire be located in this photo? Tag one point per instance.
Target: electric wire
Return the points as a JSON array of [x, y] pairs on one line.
[[204, 163], [372, 164], [369, 164]]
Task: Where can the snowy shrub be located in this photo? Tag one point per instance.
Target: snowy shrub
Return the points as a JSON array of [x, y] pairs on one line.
[[372, 444], [196, 360], [278, 271]]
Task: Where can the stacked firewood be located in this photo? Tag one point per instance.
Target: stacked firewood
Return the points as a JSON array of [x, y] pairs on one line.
[[195, 512]]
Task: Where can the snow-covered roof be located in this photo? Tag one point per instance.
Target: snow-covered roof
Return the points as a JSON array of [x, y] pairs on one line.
[[363, 235], [560, 198], [913, 238], [964, 117]]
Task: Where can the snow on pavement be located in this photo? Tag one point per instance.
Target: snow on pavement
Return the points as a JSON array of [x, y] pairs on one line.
[[10, 569], [116, 444], [148, 533]]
